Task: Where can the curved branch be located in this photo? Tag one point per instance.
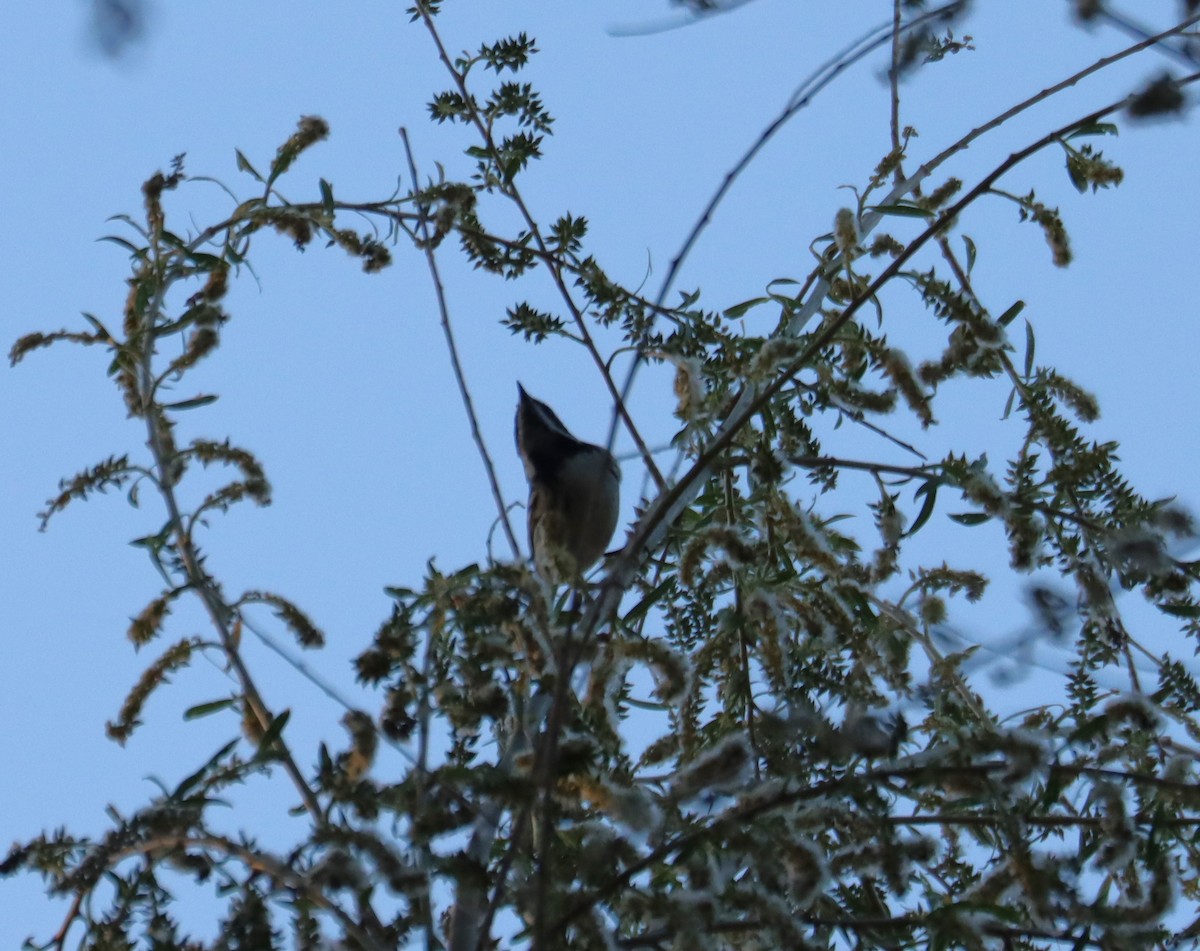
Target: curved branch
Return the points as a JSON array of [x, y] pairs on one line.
[[555, 269]]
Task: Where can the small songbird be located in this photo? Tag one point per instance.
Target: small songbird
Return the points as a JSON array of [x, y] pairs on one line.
[[574, 493]]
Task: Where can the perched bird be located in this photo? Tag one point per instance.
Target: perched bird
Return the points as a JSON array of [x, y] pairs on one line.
[[574, 493]]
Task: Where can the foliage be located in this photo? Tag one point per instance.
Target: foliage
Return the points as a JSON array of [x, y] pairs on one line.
[[785, 801]]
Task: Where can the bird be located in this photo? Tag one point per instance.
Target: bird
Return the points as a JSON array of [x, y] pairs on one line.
[[574, 493]]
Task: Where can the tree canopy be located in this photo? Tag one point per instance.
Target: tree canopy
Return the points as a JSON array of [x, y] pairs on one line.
[[753, 726]]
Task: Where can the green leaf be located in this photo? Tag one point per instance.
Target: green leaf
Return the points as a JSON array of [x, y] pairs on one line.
[[172, 239], [247, 208], [929, 490], [189, 781], [1095, 128], [833, 519], [1176, 609], [244, 165], [131, 224], [971, 254], [654, 706], [122, 243], [205, 709], [1008, 403], [739, 310], [902, 210], [205, 261], [1029, 349], [99, 328], [1075, 174], [194, 402], [273, 732], [1011, 314], [326, 197], [970, 518], [647, 602], [153, 542]]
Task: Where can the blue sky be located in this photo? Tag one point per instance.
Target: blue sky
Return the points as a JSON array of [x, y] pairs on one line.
[[340, 382]]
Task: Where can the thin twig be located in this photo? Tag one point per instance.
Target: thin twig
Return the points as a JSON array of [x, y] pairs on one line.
[[455, 362], [1072, 80], [931, 471], [894, 86], [60, 937], [1183, 52]]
